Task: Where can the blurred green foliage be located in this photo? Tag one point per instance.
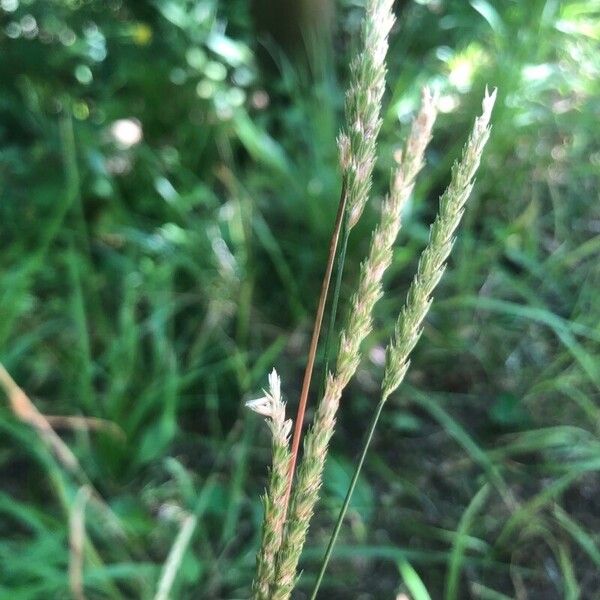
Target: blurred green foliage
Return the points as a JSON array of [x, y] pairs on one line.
[[166, 202]]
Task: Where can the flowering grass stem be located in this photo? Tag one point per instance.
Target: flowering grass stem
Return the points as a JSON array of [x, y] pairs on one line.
[[358, 325], [271, 406], [430, 269]]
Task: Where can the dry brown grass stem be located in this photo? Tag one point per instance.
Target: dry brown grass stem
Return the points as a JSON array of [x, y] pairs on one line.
[[314, 342], [80, 423], [24, 409]]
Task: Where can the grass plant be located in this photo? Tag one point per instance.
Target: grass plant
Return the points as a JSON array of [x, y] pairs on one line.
[[357, 152]]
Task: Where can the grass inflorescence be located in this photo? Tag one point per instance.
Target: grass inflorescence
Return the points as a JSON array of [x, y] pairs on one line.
[[357, 150]]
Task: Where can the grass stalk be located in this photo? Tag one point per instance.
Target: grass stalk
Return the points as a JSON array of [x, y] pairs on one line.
[[357, 156], [430, 269], [358, 326], [335, 300], [176, 555], [77, 542], [348, 497]]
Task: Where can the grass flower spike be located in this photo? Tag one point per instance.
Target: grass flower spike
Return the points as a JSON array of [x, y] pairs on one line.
[[285, 530], [433, 260], [363, 106], [273, 408], [429, 272]]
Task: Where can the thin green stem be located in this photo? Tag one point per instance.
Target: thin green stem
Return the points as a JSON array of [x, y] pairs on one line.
[[340, 262], [344, 509]]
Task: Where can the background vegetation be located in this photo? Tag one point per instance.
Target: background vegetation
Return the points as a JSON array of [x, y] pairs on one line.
[[153, 270]]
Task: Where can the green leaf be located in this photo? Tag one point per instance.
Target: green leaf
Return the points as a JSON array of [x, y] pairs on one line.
[[490, 14], [338, 474], [413, 582], [458, 551], [507, 411], [259, 144]]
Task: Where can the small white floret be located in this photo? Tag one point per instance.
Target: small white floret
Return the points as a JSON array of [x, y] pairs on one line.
[[262, 406]]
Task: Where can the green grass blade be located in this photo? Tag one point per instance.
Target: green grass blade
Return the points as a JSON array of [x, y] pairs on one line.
[[413, 582], [579, 535], [458, 550]]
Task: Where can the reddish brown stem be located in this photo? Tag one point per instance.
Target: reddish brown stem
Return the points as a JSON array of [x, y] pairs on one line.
[[312, 351]]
